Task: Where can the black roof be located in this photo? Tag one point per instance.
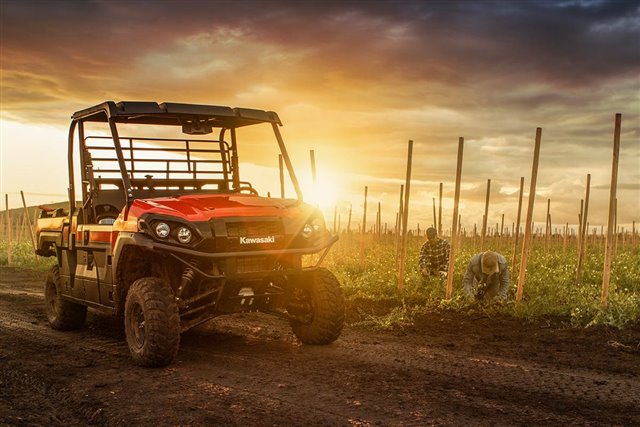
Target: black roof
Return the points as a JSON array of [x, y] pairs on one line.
[[171, 113]]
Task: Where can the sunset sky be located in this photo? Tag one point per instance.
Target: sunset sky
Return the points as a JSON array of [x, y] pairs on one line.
[[354, 81]]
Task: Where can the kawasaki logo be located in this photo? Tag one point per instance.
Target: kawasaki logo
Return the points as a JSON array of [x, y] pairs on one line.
[[254, 240]]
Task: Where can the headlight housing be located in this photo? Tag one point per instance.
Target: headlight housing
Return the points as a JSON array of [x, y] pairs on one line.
[[312, 228], [307, 230], [162, 230], [184, 235], [169, 231]]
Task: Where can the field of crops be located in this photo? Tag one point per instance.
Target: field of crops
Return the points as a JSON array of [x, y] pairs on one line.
[[550, 289]]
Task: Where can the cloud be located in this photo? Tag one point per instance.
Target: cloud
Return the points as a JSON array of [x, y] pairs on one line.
[[356, 80]]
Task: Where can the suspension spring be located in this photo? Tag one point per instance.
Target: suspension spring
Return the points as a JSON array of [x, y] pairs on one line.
[[187, 279]]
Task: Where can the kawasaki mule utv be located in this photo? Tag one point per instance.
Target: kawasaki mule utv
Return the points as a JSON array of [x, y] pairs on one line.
[[167, 236]]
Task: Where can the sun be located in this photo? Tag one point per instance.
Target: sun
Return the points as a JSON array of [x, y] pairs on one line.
[[325, 192]]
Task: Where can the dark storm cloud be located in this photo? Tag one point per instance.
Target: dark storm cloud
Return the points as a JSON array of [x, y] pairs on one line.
[[418, 47], [357, 78]]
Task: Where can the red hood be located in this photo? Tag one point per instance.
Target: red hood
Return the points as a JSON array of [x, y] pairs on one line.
[[203, 207]]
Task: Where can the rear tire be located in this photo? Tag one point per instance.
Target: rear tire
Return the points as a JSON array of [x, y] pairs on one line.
[[62, 315], [326, 304], [151, 322]]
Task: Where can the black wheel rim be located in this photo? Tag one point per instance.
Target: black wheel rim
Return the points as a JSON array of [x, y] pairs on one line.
[[137, 325], [51, 297], [301, 307]]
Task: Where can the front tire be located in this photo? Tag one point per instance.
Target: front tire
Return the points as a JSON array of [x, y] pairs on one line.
[[61, 314], [152, 322], [326, 310]]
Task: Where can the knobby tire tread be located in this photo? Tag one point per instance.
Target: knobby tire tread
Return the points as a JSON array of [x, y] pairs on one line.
[[329, 311], [162, 322], [67, 315]]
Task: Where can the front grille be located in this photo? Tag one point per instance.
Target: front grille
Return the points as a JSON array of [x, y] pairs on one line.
[[254, 228], [251, 264], [248, 234]]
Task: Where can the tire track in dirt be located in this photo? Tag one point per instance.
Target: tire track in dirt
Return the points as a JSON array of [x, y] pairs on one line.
[[93, 354], [415, 382], [95, 351], [250, 370]]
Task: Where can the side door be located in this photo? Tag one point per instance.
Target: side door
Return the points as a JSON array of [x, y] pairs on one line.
[[93, 269]]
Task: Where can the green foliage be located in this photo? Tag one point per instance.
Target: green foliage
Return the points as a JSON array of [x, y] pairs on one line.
[[550, 283], [22, 256]]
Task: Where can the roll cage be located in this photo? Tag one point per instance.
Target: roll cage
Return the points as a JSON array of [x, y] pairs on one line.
[[133, 168]]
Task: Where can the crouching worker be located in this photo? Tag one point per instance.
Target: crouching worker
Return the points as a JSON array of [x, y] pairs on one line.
[[434, 255], [487, 277]]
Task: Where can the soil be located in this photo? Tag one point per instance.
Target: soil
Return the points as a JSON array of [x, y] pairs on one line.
[[248, 369]]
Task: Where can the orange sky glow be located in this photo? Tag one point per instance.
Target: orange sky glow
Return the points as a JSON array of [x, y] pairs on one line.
[[353, 81]]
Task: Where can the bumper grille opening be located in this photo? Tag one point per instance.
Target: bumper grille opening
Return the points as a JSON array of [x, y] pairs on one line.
[[254, 228], [251, 264]]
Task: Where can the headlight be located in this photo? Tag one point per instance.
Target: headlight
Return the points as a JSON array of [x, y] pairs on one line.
[[184, 235], [162, 230], [307, 230], [311, 228]]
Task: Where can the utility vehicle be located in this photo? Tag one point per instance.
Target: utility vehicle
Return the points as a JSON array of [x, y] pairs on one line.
[[167, 236]]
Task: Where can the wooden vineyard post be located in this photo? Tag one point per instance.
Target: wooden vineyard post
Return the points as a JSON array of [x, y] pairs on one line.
[[616, 231], [399, 233], [314, 178], [405, 218], [517, 228], [363, 230], [529, 222], [439, 227], [485, 218], [579, 236], [606, 276], [8, 224], [349, 220], [435, 220], [585, 234], [549, 225], [456, 200], [281, 168]]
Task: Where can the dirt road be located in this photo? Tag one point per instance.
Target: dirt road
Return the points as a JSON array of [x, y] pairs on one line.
[[448, 369]]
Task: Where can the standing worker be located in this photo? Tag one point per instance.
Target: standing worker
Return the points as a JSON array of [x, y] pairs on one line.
[[434, 255], [487, 276]]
